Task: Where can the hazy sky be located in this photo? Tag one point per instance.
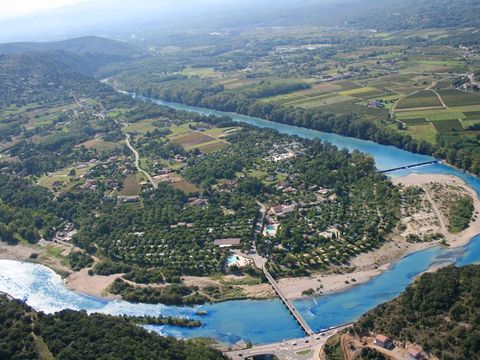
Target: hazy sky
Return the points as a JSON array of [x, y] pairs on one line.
[[15, 8]]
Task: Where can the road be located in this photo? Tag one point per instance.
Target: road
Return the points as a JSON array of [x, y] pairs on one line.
[[258, 260], [471, 77], [137, 162], [288, 350], [436, 210]]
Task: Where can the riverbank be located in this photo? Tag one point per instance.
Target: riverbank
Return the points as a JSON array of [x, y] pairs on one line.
[[366, 266]]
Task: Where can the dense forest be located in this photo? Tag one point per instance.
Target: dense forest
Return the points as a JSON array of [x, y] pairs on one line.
[[439, 312], [26, 334]]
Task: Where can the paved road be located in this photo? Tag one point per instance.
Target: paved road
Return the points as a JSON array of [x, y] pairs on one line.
[[137, 162], [288, 350]]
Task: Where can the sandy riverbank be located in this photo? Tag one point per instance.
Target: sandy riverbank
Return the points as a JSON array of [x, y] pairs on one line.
[[372, 264], [91, 285]]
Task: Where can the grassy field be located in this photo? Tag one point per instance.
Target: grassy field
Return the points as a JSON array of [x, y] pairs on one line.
[[426, 132]]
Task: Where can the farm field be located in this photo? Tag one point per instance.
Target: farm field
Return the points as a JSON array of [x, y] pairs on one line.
[[453, 97], [131, 186], [141, 127], [101, 145], [421, 99]]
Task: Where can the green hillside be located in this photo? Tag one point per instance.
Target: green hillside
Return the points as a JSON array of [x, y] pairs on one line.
[[440, 312]]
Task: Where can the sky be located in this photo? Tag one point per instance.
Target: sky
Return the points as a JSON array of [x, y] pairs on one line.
[[17, 8]]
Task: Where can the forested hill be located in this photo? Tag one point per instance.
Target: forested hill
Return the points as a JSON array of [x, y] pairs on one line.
[[84, 55], [440, 312], [81, 45], [25, 334], [394, 15], [36, 78]]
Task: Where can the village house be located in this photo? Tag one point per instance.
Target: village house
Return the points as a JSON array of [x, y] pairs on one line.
[[198, 202], [383, 341], [415, 354], [228, 243], [128, 199], [281, 210]]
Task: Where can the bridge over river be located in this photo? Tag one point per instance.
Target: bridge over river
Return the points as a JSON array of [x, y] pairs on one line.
[[291, 308], [408, 166]]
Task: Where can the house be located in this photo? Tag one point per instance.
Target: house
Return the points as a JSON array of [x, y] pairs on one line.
[[415, 354], [198, 202], [281, 210], [128, 199], [228, 243], [377, 104], [383, 341]]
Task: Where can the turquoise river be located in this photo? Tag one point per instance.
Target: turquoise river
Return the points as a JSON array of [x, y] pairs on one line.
[[267, 320]]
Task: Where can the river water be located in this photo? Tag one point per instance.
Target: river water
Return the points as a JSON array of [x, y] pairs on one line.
[[262, 321]]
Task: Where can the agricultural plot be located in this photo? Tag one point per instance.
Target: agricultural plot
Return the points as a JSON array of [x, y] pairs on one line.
[[453, 97], [199, 140], [191, 139], [421, 99], [448, 125], [185, 186], [322, 101], [200, 72], [472, 115], [355, 108], [469, 123], [101, 145], [415, 121], [131, 186], [363, 92], [211, 146], [141, 127]]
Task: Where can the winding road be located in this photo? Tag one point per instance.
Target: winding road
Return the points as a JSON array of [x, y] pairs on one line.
[[137, 162]]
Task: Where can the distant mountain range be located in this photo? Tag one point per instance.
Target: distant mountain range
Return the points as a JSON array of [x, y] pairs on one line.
[[138, 18]]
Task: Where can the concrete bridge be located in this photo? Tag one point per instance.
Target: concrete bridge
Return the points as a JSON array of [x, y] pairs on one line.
[[291, 308], [408, 166]]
